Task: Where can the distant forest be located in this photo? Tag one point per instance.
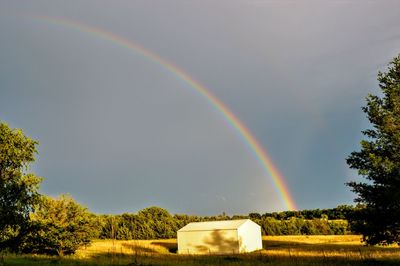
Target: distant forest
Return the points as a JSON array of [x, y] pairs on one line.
[[158, 223]]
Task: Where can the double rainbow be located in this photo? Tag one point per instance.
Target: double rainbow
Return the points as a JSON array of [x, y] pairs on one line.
[[260, 154]]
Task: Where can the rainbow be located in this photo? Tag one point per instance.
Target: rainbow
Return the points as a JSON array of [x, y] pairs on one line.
[[260, 154]]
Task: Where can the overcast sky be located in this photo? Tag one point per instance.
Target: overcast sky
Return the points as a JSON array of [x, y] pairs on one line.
[[119, 132]]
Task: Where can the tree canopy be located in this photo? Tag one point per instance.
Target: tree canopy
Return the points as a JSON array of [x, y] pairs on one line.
[[18, 188], [378, 161]]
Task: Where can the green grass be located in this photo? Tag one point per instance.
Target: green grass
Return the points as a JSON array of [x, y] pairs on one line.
[[278, 250]]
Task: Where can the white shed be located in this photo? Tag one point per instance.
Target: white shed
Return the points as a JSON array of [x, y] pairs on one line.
[[219, 237]]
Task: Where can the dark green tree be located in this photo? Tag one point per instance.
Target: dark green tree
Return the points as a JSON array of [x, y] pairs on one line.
[[378, 162], [18, 188]]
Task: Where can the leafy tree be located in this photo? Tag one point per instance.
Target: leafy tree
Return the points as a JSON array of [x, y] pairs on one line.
[[255, 216], [161, 221], [18, 188], [339, 227], [61, 227], [378, 162], [271, 226]]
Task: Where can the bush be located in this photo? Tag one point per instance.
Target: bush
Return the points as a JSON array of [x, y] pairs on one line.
[[60, 227]]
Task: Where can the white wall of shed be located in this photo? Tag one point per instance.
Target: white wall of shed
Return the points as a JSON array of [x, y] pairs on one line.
[[208, 242], [249, 235]]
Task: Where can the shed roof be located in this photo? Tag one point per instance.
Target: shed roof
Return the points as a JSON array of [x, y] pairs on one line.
[[215, 225]]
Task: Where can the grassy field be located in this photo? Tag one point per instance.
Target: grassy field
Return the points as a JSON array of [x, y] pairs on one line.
[[278, 250]]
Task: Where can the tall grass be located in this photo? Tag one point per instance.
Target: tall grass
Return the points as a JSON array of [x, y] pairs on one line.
[[278, 250]]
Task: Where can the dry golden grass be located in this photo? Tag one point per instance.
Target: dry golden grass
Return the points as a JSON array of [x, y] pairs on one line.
[[326, 247], [278, 251], [318, 239], [346, 246], [127, 247]]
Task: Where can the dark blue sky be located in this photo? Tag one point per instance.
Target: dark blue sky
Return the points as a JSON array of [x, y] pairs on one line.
[[120, 133]]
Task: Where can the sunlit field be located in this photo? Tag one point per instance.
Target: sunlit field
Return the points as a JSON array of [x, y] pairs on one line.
[[278, 250]]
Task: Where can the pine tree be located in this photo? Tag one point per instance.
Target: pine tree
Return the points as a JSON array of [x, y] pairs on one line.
[[378, 162]]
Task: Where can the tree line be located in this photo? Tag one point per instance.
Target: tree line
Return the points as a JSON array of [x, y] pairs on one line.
[[158, 223]]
